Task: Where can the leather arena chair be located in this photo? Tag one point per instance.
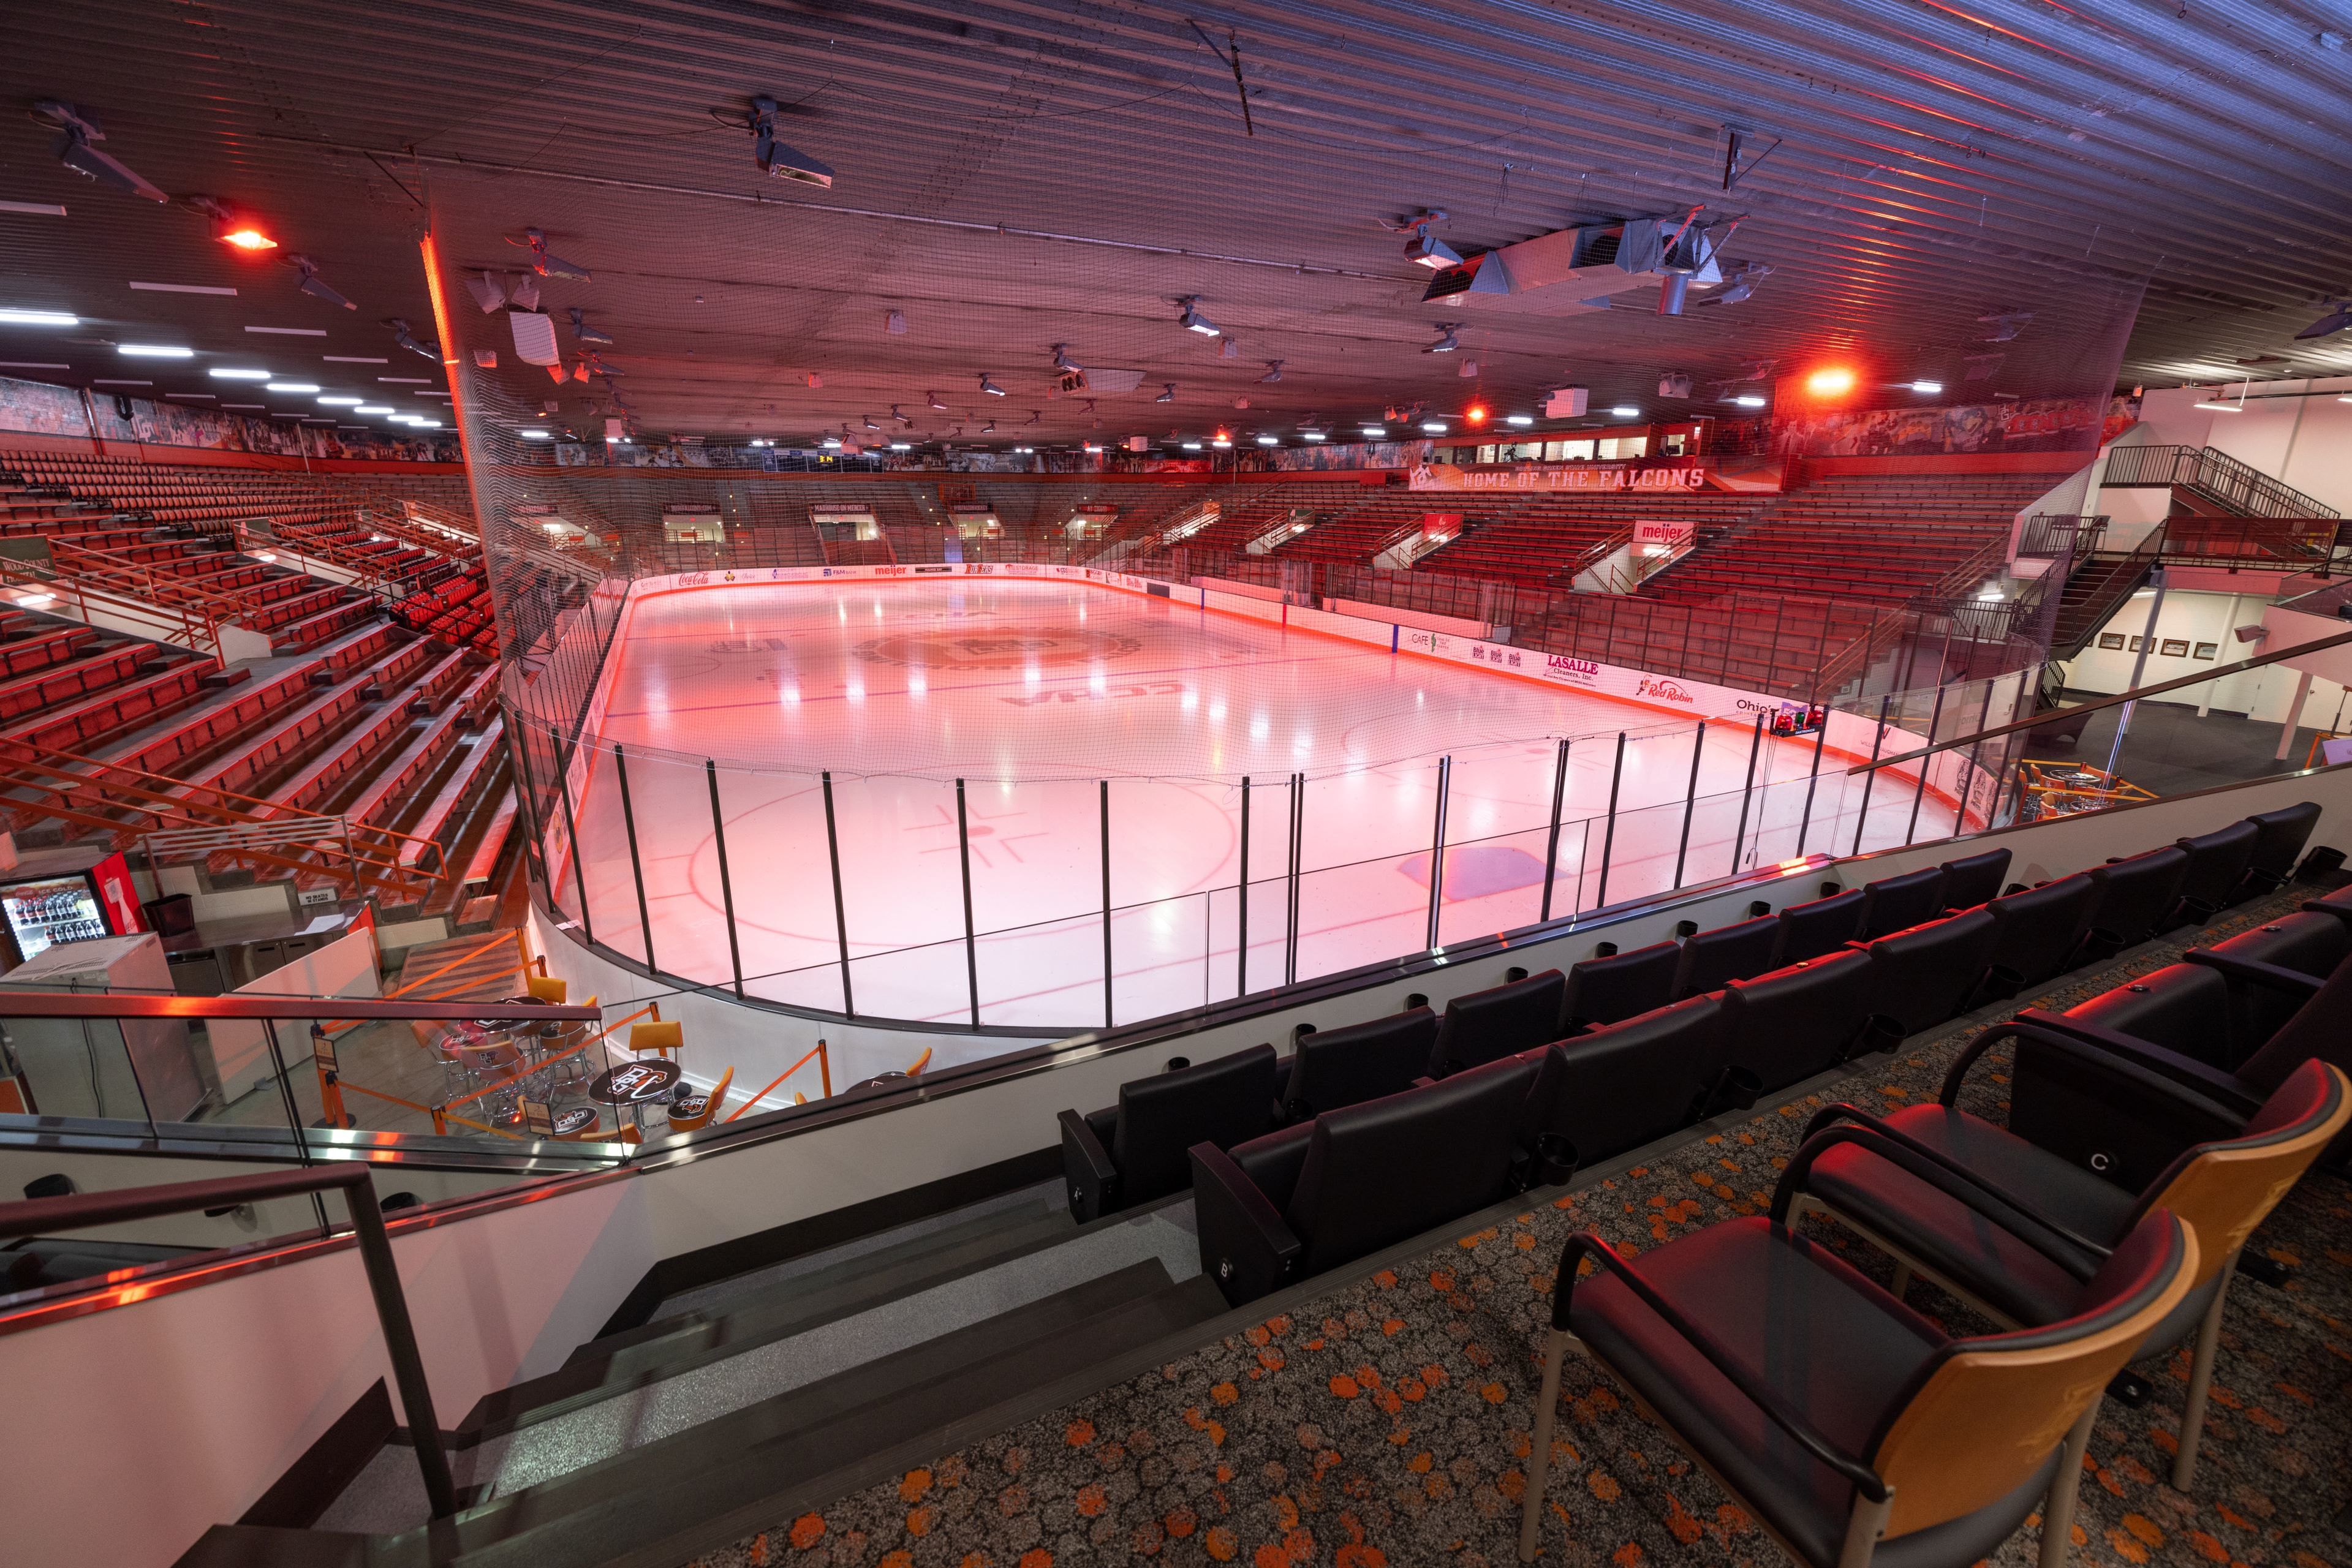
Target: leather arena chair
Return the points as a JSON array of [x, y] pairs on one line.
[[1898, 903], [2025, 1259], [1821, 927], [1974, 879], [1618, 1087], [1502, 1020], [1794, 1022], [2305, 943], [1135, 1151], [1613, 990], [1331, 1067], [1841, 1421], [2282, 834], [2136, 896], [2167, 1024], [1310, 1197], [1712, 959], [2215, 877], [1927, 974], [2039, 931]]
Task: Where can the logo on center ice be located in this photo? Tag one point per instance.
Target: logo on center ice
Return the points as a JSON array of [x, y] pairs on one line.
[[999, 648]]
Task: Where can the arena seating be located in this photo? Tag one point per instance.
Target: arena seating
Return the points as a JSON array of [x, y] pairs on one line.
[[1588, 1090], [355, 715], [1870, 538]]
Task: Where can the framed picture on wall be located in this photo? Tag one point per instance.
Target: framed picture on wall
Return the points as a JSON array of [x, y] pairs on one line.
[[2112, 642], [2207, 650], [2137, 643], [2175, 648]]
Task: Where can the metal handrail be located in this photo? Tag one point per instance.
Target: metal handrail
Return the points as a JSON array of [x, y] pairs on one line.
[[137, 1005], [2136, 694], [357, 1184], [2225, 478]]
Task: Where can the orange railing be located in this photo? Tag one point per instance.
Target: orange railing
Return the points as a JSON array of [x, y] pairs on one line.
[[126, 803], [78, 599]]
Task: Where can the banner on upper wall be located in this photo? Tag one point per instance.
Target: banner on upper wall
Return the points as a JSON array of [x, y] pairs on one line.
[[2046, 424], [37, 408]]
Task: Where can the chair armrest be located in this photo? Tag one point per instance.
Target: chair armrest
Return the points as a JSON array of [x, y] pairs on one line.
[[1087, 1171], [1585, 1244], [2273, 977], [1939, 1170], [2198, 1086], [1245, 1246]]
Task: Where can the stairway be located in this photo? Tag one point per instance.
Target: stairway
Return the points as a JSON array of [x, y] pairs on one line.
[[747, 1399]]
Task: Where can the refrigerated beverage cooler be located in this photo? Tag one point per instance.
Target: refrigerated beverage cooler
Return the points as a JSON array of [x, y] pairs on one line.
[[77, 895], [134, 1069]]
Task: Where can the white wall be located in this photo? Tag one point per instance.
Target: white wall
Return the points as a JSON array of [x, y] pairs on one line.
[[2303, 442], [143, 1426], [2194, 617]]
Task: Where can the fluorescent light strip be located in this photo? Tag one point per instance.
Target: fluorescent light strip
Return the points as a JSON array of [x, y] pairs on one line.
[[292, 331], [20, 317], [342, 402], [408, 381], [117, 383], [355, 358], [239, 374], [31, 365], [33, 209], [181, 287], [154, 351], [250, 407], [432, 394], [291, 387], [191, 397], [373, 408]]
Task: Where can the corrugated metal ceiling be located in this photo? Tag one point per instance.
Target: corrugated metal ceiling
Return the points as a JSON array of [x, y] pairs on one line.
[[1928, 164]]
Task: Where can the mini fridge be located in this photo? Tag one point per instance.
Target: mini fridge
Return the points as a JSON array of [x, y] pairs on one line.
[[84, 1066]]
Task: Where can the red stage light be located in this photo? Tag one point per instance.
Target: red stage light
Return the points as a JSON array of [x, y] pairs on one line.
[[1475, 413], [245, 236], [1829, 381]]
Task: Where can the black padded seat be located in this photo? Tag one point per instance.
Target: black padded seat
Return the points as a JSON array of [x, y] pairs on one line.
[[2215, 874], [1502, 1020], [2010, 1274], [1898, 903], [2039, 931], [1623, 1084], [1974, 879], [1712, 959], [1365, 1176], [1135, 1151], [1796, 1021], [2282, 834], [1827, 1343], [2136, 894], [2307, 944], [1332, 1068], [1925, 976], [2338, 903], [1820, 927], [1611, 990]]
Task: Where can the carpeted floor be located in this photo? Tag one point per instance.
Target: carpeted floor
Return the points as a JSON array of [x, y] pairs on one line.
[[1387, 1422]]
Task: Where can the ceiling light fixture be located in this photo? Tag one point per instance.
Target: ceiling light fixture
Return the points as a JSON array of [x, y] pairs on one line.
[[373, 408], [235, 373], [932, 400], [401, 336], [1432, 427], [340, 402], [154, 351], [1749, 400], [1427, 250], [547, 265], [990, 387], [74, 148], [2338, 316], [15, 318], [584, 332], [1313, 436], [1829, 381], [1447, 341], [1521, 420], [1269, 441], [1192, 446], [1167, 395], [773, 156], [488, 291], [1475, 413], [291, 387], [1273, 372], [1193, 321], [230, 227], [1927, 387], [1626, 411], [536, 435], [315, 286], [1376, 432]]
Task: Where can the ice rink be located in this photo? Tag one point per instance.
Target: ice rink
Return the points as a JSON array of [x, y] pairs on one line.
[[1036, 693]]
